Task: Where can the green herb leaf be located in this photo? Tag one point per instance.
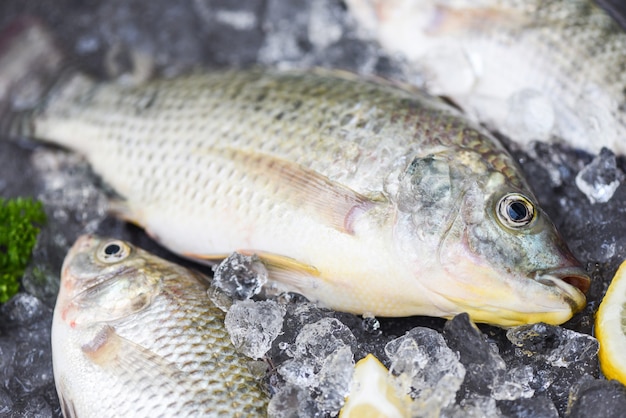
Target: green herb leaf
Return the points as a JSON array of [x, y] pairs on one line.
[[20, 219]]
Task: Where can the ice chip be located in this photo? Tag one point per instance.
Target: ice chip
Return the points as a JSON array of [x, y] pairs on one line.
[[240, 276], [292, 401], [333, 384], [220, 298], [253, 326], [599, 179], [322, 362], [430, 371], [371, 325], [322, 338], [299, 372], [514, 384], [558, 346], [560, 358]]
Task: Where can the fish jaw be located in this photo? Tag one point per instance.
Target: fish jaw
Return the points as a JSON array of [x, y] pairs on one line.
[[507, 299]]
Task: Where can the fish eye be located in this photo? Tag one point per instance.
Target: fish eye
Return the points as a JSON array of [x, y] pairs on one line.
[[515, 211], [113, 251]]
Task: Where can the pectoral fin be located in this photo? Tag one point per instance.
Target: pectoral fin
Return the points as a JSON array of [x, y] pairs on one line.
[[115, 353], [335, 204]]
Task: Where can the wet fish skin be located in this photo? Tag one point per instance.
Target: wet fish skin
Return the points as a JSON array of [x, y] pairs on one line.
[[360, 183], [364, 196], [533, 70], [136, 335]]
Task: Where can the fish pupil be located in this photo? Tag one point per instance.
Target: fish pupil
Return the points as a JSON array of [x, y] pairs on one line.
[[517, 211], [112, 249]]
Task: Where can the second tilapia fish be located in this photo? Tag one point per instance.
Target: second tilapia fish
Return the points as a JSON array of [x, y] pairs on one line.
[[363, 196], [135, 335], [533, 69]]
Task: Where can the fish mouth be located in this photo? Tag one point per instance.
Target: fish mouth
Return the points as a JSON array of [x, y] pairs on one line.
[[572, 282]]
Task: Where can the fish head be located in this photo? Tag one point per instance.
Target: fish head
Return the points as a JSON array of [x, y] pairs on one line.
[[507, 263], [104, 279]]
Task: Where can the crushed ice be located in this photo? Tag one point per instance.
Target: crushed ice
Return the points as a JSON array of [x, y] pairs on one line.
[[600, 179], [240, 276]]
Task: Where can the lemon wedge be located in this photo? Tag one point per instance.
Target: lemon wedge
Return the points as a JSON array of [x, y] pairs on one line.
[[373, 394], [611, 328]]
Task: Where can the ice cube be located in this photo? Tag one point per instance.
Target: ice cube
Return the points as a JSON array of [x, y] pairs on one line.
[[290, 402], [560, 347], [253, 326], [322, 362], [240, 276], [430, 371], [333, 384], [371, 325], [559, 357], [299, 372], [600, 178], [514, 384], [319, 340]]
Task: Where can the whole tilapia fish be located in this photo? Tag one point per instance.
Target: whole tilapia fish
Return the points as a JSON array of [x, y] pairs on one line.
[[136, 335], [362, 196], [533, 69]]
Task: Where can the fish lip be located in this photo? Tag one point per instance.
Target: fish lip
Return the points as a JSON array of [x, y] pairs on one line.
[[573, 281]]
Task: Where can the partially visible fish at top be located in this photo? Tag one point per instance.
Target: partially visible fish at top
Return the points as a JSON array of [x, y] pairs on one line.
[[363, 196], [531, 69], [134, 335]]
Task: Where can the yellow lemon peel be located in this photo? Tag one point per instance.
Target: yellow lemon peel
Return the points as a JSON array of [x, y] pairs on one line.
[[611, 328]]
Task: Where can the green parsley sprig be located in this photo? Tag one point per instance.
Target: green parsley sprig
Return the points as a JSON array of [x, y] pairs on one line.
[[20, 219]]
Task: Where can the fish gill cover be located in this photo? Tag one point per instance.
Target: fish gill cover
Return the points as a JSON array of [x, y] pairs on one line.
[[529, 371]]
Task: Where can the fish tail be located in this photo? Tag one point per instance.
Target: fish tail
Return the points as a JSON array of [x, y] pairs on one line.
[[31, 65]]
